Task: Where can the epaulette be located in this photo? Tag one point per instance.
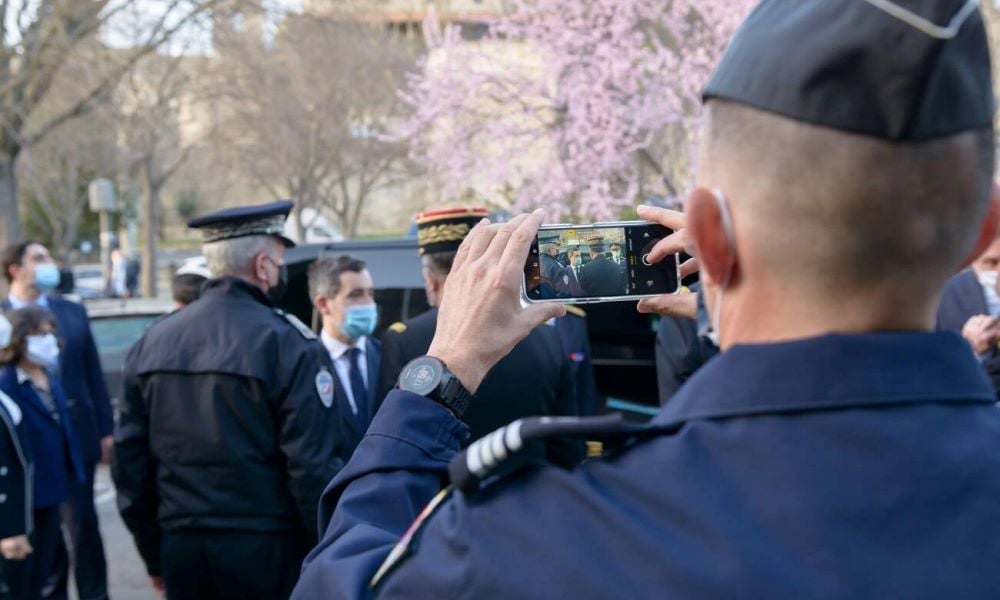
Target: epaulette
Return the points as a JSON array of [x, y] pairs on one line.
[[576, 310], [301, 327], [492, 454], [398, 327]]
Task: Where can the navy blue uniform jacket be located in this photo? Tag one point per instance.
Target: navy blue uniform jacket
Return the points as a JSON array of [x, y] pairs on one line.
[[81, 376], [843, 466], [53, 452], [227, 422], [15, 475]]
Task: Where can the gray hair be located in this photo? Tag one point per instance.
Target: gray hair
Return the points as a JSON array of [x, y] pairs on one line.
[[234, 258]]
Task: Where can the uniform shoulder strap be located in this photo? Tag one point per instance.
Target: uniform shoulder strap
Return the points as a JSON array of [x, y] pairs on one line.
[[299, 326], [496, 453]]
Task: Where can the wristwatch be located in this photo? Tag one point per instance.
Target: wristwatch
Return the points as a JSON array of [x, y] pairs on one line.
[[428, 376]]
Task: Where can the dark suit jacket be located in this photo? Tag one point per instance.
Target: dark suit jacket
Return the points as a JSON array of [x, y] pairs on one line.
[[963, 298], [602, 277], [352, 424], [54, 451], [81, 376], [536, 378]]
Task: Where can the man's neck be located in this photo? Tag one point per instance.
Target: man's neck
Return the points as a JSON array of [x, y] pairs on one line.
[[335, 333], [25, 293], [774, 318]]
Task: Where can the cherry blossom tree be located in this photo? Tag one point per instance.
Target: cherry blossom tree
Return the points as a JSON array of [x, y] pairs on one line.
[[560, 103]]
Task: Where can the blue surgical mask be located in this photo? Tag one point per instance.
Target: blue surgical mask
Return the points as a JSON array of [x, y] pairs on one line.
[[46, 277], [359, 320]]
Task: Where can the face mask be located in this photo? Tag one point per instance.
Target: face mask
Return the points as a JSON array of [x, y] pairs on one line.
[[988, 279], [46, 277], [43, 350], [359, 320], [616, 256], [577, 261], [5, 330], [713, 333]]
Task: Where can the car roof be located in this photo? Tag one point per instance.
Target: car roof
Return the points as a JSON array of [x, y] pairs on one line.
[[127, 307], [394, 262]]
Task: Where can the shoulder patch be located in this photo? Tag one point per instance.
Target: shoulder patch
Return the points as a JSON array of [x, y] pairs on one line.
[[575, 310], [402, 548], [398, 327], [301, 327], [324, 387]]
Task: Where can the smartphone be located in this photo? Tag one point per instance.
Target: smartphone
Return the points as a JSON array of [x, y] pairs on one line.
[[603, 262]]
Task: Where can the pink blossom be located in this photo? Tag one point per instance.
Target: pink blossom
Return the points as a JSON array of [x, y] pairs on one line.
[[553, 106]]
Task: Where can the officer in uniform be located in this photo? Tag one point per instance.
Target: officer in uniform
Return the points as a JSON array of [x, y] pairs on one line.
[[572, 330], [536, 378], [228, 430], [836, 448]]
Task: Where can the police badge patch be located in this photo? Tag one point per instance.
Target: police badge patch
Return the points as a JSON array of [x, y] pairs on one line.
[[324, 387]]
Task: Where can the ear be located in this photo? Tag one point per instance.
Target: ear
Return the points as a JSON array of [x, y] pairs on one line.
[[707, 230], [322, 304], [989, 229]]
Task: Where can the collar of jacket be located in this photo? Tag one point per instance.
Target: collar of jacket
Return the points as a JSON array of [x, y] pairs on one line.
[[832, 372], [234, 286]]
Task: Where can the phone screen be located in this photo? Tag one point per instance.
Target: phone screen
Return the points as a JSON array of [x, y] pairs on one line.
[[598, 262]]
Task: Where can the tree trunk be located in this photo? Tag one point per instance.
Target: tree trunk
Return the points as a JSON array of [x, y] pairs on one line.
[[150, 229], [9, 206]]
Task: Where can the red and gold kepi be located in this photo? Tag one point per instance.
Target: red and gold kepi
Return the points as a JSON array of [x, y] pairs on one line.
[[443, 230]]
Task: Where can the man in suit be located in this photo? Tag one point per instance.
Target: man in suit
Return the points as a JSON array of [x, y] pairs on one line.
[[536, 378], [616, 254], [343, 293], [971, 292], [602, 276], [575, 259], [32, 275]]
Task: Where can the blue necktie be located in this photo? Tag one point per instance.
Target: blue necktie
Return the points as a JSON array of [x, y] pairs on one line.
[[358, 389]]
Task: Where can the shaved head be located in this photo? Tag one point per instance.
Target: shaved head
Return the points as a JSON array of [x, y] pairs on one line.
[[836, 211]]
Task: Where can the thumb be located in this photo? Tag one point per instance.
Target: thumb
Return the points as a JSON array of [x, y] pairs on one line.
[[534, 315]]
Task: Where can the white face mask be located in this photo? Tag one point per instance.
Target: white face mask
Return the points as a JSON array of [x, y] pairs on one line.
[[988, 279], [5, 330], [43, 350]]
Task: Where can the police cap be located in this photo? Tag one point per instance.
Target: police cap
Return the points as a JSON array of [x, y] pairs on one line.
[[444, 230], [899, 70], [244, 221]]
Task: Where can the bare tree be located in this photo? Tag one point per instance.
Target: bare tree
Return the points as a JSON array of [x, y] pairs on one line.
[[54, 174], [308, 111], [40, 37], [149, 103]]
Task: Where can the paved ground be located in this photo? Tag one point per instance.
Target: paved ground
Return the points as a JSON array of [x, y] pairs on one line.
[[127, 576]]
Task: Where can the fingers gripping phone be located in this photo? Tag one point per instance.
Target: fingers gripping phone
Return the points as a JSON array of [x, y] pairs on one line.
[[603, 262]]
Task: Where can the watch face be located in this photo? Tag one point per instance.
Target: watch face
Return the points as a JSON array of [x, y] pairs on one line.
[[422, 375]]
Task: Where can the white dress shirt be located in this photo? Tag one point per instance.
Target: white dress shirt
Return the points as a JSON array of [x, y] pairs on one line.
[[17, 304], [342, 363]]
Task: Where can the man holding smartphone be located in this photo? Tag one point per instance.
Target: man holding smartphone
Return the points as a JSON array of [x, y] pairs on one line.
[[836, 448]]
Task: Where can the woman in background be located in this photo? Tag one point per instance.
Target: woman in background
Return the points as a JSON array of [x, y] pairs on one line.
[[27, 376]]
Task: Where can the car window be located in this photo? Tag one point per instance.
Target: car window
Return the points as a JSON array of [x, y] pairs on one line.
[[117, 334]]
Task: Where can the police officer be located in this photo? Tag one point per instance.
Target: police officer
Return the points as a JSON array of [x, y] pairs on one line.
[[228, 431], [836, 448], [536, 378]]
